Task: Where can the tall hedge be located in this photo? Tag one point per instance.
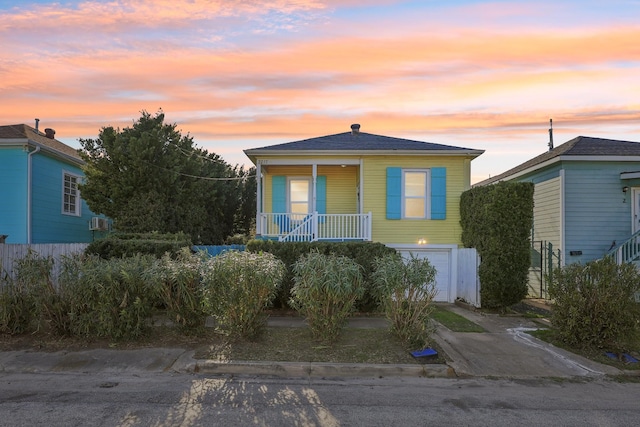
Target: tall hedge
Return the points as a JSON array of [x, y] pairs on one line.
[[364, 253], [497, 221], [119, 245]]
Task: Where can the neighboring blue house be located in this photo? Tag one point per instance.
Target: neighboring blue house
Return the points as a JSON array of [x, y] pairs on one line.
[[587, 200], [39, 197]]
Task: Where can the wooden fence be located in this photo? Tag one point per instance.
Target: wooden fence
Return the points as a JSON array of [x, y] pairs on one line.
[[9, 253]]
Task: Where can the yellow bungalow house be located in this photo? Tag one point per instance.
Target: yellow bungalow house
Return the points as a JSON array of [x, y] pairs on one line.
[[360, 186]]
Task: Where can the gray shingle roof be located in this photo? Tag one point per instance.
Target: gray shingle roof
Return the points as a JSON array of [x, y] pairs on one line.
[[579, 146], [22, 131], [360, 141]]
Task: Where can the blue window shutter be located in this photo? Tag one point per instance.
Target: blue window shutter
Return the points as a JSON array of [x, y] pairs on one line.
[[438, 193], [279, 194], [394, 193], [321, 194]]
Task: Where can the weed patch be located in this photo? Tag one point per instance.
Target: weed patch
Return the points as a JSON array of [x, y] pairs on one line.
[[377, 346]]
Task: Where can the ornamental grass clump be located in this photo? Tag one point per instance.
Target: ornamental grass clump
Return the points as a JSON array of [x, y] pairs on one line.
[[326, 288], [594, 304], [181, 288], [30, 301], [406, 289], [238, 286], [110, 298]]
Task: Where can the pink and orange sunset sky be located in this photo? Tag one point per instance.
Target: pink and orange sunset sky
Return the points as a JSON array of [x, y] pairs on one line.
[[245, 74]]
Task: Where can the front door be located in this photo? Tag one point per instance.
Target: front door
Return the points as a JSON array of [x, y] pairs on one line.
[[635, 209]]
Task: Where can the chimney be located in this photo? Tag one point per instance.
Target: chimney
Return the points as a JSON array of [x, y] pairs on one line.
[[50, 133], [550, 134], [37, 123], [355, 129]]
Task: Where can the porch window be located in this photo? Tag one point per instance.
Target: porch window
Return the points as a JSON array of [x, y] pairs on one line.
[[70, 194], [299, 195]]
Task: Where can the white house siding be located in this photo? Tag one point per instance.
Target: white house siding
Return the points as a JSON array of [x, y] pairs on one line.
[[547, 225]]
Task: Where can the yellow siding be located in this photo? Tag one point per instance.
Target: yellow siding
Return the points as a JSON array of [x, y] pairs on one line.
[[445, 231], [547, 212], [342, 189], [341, 186], [546, 225]]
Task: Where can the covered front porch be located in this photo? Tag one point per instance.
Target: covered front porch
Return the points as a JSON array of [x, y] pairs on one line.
[[311, 200]]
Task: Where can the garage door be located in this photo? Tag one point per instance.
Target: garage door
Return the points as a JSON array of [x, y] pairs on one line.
[[441, 260]]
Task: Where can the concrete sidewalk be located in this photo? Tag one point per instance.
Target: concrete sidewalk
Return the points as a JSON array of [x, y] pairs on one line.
[[504, 350]]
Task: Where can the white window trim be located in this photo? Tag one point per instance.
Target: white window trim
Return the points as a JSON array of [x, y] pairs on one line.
[[78, 203], [299, 178], [427, 201]]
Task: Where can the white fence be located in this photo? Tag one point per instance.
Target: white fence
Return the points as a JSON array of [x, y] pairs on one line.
[[468, 281], [9, 253]]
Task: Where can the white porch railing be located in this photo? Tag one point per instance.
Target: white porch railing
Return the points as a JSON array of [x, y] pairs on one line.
[[290, 227], [627, 251]]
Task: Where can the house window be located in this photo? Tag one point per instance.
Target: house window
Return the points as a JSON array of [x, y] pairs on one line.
[[415, 194], [299, 195], [70, 194]]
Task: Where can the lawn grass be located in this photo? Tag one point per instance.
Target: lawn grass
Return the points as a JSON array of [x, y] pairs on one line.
[[286, 344], [594, 354], [453, 321]]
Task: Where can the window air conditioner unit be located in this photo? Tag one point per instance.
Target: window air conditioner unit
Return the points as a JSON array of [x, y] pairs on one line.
[[99, 224]]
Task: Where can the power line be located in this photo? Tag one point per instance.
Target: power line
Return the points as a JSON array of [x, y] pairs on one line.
[[206, 178]]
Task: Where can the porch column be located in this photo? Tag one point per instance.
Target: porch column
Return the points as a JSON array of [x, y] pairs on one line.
[[258, 197], [314, 174], [361, 189]]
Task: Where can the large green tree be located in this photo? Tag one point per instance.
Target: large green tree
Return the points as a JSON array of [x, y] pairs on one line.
[[149, 177]]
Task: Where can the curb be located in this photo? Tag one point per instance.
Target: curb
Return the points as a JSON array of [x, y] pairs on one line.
[[321, 370]]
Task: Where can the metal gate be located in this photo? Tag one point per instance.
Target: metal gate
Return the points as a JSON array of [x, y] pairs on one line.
[[544, 258]]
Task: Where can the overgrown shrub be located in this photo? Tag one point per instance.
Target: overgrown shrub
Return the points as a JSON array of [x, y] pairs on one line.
[[237, 288], [325, 291], [31, 302], [363, 253], [594, 304], [118, 245], [180, 288], [110, 298], [497, 221], [17, 309], [237, 239], [407, 289]]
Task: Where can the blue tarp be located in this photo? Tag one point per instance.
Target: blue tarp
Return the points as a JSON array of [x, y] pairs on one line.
[[215, 250]]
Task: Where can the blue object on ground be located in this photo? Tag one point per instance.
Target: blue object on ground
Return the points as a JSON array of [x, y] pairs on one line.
[[424, 352], [625, 357]]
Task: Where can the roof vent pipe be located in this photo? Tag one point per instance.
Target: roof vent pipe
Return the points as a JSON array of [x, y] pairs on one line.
[[550, 134], [37, 123], [355, 128], [50, 133]]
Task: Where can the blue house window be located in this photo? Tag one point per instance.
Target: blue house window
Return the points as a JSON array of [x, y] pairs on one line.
[[70, 194]]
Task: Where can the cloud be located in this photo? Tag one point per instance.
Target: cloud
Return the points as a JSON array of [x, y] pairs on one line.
[[256, 72]]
